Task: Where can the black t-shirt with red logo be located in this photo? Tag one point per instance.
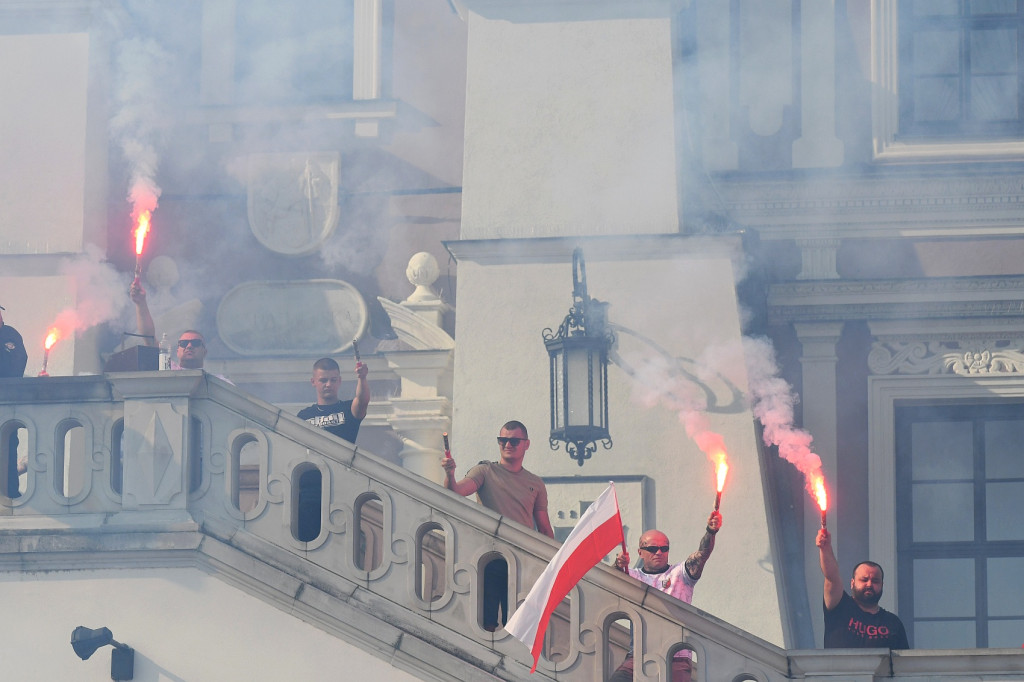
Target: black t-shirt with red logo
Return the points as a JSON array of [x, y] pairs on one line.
[[848, 626]]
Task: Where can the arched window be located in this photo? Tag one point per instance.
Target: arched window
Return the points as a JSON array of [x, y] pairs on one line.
[[14, 451], [306, 510], [71, 458], [430, 562], [369, 545], [117, 456], [245, 473], [493, 598]]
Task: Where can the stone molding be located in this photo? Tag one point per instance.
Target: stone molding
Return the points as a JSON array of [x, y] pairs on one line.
[[614, 248], [916, 299], [884, 205]]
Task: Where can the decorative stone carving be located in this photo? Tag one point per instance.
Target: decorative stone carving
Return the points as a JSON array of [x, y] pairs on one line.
[[293, 200], [947, 357], [422, 272], [308, 317], [818, 258]]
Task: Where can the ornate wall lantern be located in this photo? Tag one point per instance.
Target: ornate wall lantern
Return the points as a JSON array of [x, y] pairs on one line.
[[578, 353]]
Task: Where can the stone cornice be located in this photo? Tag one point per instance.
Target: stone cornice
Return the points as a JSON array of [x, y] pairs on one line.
[[917, 299], [624, 248], [542, 10], [885, 205]]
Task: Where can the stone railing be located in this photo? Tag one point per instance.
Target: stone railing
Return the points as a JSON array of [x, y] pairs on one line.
[[112, 455]]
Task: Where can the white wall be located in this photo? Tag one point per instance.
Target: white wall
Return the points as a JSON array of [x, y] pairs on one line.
[[569, 128], [673, 301], [182, 623], [42, 142]]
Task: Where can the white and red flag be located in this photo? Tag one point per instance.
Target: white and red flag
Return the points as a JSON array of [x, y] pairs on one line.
[[598, 531]]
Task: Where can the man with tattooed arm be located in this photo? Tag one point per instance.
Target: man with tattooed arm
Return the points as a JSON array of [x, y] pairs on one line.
[[677, 580]]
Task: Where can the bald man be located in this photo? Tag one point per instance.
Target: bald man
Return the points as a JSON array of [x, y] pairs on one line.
[[677, 580]]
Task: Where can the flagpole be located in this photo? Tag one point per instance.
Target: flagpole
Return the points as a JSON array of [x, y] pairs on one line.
[[615, 494]]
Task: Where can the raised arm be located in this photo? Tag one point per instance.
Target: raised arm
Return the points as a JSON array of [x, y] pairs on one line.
[[143, 318], [829, 569], [362, 399], [695, 562]]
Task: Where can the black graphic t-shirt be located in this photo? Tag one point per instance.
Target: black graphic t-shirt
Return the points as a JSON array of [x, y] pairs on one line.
[[336, 418], [848, 626]]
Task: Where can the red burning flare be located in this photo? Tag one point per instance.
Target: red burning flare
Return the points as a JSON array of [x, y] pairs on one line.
[[141, 231], [820, 494], [721, 470], [51, 338]]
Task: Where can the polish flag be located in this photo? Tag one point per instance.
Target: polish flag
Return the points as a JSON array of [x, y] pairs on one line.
[[597, 533]]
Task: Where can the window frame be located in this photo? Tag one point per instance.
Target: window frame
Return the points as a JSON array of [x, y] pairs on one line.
[[888, 146], [979, 549]]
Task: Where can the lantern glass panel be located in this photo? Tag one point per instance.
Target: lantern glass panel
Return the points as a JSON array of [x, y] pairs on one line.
[[579, 374], [557, 390]]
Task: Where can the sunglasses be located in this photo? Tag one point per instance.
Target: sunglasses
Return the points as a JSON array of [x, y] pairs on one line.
[[514, 442], [655, 548], [185, 343]]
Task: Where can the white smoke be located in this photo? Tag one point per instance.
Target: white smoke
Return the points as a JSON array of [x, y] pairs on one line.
[[141, 75], [100, 292], [771, 399], [658, 383]]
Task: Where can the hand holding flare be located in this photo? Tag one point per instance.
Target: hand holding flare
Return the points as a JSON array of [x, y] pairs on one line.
[[447, 450]]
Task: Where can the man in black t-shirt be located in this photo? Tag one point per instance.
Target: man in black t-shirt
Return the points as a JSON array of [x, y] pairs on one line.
[[857, 621], [13, 359], [340, 417], [13, 356]]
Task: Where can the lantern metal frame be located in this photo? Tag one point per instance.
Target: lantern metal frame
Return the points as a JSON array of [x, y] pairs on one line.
[[580, 344]]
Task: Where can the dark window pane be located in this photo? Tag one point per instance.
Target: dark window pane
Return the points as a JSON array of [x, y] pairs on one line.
[[943, 588], [1004, 449], [994, 51], [979, 7], [994, 98], [943, 512], [942, 451], [957, 634], [925, 8], [1005, 588], [1005, 634], [937, 53], [1004, 513], [299, 50]]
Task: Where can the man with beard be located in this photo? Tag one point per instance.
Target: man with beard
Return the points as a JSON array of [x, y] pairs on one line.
[[857, 621]]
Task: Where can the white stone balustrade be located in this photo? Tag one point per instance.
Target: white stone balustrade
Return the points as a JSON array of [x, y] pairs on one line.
[[364, 586]]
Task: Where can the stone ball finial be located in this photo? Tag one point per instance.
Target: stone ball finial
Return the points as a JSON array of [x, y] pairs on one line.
[[422, 272], [423, 269]]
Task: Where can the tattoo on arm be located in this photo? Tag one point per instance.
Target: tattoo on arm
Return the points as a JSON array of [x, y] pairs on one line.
[[695, 562]]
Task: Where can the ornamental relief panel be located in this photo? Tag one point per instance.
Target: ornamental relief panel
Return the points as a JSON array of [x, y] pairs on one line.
[[965, 358]]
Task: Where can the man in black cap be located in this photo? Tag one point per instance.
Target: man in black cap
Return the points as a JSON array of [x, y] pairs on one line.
[[13, 356]]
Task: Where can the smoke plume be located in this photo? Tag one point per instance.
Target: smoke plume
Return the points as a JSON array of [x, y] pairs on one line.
[[139, 101], [100, 292]]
